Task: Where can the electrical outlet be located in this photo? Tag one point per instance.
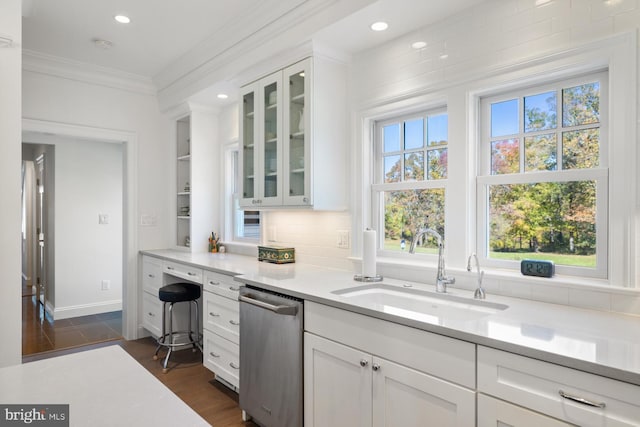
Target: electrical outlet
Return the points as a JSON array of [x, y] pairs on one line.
[[343, 239], [106, 285]]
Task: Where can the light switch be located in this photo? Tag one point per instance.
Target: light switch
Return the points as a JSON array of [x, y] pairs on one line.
[[103, 219], [343, 239]]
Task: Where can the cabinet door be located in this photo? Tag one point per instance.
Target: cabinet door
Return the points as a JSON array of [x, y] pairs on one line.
[[270, 134], [497, 413], [337, 384], [403, 397], [248, 136], [297, 137]]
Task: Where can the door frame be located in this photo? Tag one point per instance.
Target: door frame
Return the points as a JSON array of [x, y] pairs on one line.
[[129, 140]]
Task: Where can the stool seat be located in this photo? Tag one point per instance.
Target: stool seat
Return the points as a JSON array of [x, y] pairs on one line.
[[179, 292]]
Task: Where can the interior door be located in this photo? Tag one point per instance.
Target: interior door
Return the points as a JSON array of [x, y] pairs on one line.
[[41, 267]]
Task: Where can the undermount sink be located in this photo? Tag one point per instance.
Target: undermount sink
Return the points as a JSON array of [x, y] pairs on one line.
[[418, 304]]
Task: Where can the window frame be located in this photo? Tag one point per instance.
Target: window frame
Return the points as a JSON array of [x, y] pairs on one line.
[[599, 175], [232, 198], [378, 187]]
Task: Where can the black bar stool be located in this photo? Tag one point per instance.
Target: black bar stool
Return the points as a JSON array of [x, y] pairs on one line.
[[171, 294]]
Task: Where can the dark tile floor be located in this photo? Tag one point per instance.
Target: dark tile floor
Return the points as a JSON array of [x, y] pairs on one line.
[[41, 333]]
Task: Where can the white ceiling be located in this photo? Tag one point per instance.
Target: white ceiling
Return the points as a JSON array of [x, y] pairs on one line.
[[162, 32]]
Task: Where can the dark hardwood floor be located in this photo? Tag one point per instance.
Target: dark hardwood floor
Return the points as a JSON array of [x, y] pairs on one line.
[[191, 382], [40, 333]]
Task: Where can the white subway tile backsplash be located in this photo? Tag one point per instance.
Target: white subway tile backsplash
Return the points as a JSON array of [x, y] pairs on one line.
[[551, 294], [590, 299]]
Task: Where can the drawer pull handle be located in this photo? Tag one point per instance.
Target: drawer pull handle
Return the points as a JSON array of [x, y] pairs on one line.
[[212, 354], [234, 323], [234, 366], [212, 314], [151, 314], [234, 289], [375, 367], [170, 268], [211, 282], [191, 274], [151, 276], [581, 400], [364, 363]]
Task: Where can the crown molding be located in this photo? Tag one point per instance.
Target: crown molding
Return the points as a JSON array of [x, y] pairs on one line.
[[37, 62], [285, 39]]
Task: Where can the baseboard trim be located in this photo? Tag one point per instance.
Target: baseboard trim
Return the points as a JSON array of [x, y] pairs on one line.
[[86, 309]]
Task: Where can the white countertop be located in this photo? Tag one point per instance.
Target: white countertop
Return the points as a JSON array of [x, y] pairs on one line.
[[602, 343], [103, 387]]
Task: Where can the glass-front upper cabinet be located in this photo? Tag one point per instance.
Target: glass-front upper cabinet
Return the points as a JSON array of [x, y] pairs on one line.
[[297, 141], [261, 136], [248, 131]]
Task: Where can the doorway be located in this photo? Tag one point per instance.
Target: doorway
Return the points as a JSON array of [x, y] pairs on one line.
[[77, 211]]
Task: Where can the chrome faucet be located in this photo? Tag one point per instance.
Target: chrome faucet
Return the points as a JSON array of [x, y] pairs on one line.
[[479, 293], [441, 278]]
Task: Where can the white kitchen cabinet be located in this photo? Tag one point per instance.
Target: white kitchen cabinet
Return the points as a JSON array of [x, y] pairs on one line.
[[221, 315], [195, 207], [497, 413], [573, 396], [294, 137], [349, 382], [337, 384], [151, 305]]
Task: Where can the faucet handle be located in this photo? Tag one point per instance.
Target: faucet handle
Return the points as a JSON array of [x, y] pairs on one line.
[[449, 280]]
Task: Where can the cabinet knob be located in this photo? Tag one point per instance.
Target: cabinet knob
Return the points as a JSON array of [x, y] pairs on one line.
[[191, 274], [151, 276], [305, 200], [364, 363], [375, 367], [151, 314]]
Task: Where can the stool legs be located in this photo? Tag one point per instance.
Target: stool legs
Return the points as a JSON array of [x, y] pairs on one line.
[[170, 336]]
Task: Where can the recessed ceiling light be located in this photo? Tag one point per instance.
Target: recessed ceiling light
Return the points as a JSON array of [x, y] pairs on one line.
[[379, 26], [123, 19], [222, 96], [103, 44], [419, 45]]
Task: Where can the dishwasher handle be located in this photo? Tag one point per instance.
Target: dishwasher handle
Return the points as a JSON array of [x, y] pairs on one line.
[[287, 310]]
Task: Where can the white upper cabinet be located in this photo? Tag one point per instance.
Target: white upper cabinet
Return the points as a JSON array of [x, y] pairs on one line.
[[294, 137]]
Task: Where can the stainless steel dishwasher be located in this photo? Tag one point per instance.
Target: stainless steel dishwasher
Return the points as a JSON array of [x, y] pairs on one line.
[[271, 358]]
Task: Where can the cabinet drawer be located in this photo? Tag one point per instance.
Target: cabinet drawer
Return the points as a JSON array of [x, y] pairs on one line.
[[183, 271], [421, 350], [221, 356], [222, 316], [221, 284], [151, 274], [152, 314], [538, 385], [493, 412]]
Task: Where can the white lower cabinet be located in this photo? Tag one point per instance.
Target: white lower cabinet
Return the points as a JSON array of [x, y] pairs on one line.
[[497, 413], [573, 396], [221, 315], [349, 383]]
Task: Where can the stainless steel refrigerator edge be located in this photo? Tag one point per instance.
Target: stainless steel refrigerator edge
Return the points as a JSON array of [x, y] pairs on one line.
[[271, 376]]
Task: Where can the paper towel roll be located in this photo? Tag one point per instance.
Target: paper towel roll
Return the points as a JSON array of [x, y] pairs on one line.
[[369, 253]]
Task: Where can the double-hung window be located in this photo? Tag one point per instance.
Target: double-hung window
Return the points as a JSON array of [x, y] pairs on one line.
[[543, 176], [410, 178]]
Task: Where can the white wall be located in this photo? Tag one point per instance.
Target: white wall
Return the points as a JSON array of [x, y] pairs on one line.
[[57, 96], [10, 130], [89, 182]]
